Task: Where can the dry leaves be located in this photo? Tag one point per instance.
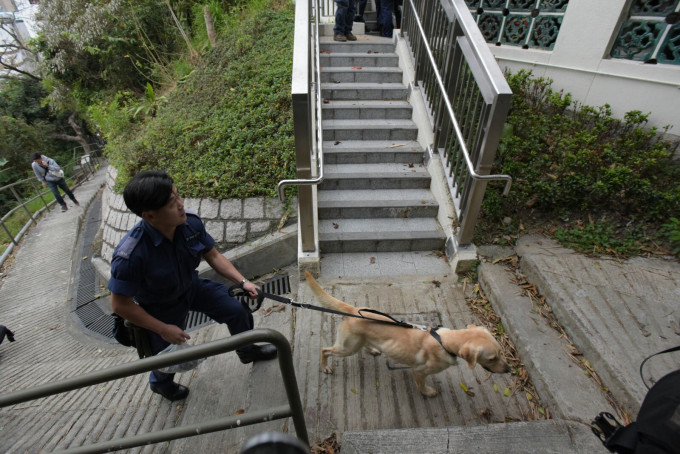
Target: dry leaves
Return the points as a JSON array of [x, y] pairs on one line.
[[541, 307], [329, 446]]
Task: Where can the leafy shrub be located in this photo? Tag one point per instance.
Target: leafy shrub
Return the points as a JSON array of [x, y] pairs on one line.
[[572, 161], [671, 230], [226, 132]]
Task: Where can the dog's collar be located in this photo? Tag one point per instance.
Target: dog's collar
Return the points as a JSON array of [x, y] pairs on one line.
[[437, 337]]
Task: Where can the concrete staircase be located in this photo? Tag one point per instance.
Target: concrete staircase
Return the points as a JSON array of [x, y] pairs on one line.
[[375, 196]]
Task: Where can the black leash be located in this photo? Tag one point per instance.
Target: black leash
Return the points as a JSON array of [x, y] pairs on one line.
[[392, 321]]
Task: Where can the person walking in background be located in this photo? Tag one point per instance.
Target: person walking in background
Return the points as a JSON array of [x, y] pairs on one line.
[[50, 174], [344, 18], [154, 279]]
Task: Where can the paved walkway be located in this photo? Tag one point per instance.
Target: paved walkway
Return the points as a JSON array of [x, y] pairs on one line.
[[614, 313]]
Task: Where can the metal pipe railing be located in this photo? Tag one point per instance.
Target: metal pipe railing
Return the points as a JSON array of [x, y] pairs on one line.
[[450, 111], [285, 357], [307, 122], [315, 106], [467, 96]]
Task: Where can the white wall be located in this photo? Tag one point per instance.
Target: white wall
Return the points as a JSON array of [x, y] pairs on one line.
[[579, 64]]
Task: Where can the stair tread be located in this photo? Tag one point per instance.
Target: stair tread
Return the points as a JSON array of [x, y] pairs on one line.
[[371, 146], [358, 54], [381, 170], [381, 69], [383, 197], [374, 123], [383, 228], [367, 103], [363, 85]]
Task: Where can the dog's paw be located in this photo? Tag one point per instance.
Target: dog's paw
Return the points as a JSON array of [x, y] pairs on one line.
[[327, 370], [374, 351], [429, 391]]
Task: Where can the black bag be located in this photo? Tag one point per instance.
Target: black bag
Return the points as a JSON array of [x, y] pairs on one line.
[[657, 427], [122, 333]]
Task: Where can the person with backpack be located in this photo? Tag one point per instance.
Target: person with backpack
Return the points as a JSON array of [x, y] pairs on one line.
[[154, 279], [50, 174]]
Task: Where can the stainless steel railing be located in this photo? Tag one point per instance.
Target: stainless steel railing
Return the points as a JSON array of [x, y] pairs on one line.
[[285, 359], [467, 96], [307, 102]]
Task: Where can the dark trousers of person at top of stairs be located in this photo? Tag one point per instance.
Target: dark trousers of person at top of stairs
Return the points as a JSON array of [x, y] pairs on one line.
[[344, 18], [385, 18]]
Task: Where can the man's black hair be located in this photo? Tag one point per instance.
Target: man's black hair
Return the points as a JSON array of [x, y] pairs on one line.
[[35, 156], [148, 190]]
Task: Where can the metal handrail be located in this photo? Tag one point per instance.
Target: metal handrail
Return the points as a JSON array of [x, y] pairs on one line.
[[285, 357], [449, 107], [316, 67]]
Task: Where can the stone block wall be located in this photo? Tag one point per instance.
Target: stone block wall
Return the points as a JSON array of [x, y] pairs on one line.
[[230, 222]]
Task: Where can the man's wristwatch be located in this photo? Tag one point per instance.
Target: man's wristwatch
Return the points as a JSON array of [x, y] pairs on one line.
[[243, 281]]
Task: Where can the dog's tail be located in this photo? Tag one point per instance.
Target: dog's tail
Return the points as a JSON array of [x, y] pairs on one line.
[[327, 300]]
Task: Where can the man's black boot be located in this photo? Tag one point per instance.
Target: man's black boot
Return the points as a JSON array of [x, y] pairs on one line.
[[252, 353], [170, 390]]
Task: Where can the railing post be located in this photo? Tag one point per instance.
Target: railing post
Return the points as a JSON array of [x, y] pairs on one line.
[[23, 205], [494, 128]]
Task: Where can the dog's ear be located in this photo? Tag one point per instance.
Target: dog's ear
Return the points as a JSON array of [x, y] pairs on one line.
[[469, 353]]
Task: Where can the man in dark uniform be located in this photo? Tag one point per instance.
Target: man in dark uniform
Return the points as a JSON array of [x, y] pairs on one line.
[[154, 279]]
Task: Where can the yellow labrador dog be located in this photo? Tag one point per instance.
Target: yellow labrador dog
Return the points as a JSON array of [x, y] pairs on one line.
[[427, 353]]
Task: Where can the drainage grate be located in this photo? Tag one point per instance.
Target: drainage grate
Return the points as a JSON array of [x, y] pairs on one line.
[[429, 319], [276, 285]]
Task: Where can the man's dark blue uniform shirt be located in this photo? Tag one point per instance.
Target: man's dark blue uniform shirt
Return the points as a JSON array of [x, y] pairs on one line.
[[155, 270]]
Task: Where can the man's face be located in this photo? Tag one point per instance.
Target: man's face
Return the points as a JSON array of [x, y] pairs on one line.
[[171, 214]]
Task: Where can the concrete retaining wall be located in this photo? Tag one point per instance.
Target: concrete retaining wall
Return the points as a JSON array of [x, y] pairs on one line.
[[231, 222]]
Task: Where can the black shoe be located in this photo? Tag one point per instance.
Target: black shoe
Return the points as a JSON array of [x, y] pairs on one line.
[[252, 353], [170, 390], [340, 37]]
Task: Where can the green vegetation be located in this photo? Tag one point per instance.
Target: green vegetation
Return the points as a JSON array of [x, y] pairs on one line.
[[597, 183], [226, 130]]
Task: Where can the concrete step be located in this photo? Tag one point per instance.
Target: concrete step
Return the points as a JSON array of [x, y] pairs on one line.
[[337, 74], [364, 91], [375, 176], [363, 59], [380, 235], [363, 45], [372, 109], [379, 203], [548, 436], [398, 130], [372, 152]]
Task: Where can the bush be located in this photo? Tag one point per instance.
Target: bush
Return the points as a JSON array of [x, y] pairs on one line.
[[578, 163], [227, 131]]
